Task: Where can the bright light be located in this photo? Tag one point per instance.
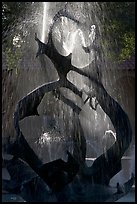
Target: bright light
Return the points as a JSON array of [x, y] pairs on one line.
[[17, 40], [45, 138], [45, 10], [92, 33], [110, 131]]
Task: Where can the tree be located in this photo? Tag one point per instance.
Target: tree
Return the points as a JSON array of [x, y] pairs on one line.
[[16, 18], [12, 14], [119, 27]]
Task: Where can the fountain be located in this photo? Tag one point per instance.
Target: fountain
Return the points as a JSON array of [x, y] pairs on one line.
[[71, 180]]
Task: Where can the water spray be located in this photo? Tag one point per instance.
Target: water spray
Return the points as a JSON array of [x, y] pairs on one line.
[[44, 24]]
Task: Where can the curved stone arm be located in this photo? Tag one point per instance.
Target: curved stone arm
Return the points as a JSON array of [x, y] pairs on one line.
[[27, 106], [79, 142], [109, 164]]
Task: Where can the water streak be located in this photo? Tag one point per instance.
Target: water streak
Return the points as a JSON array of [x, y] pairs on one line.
[[44, 24]]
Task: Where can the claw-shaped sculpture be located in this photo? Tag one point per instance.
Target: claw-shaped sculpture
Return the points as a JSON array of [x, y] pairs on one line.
[[58, 174]]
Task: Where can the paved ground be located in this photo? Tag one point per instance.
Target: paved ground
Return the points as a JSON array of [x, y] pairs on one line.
[[130, 197], [11, 198]]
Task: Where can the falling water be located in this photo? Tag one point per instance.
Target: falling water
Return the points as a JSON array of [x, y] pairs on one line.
[[68, 38], [44, 23], [96, 122]]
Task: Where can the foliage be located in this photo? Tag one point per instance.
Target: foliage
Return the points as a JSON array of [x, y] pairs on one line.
[[119, 27], [13, 58], [13, 13]]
